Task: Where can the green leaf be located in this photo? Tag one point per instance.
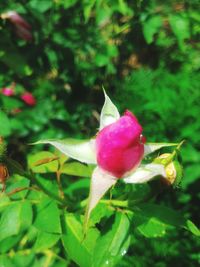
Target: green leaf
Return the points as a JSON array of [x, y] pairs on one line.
[[26, 215], [8, 243], [14, 60], [67, 4], [180, 27], [23, 260], [41, 6], [17, 217], [76, 169], [88, 5], [154, 220], [43, 162], [10, 221], [80, 150], [192, 228], [101, 60], [111, 246], [17, 182], [151, 147], [79, 248], [102, 210], [47, 217], [151, 27], [4, 201], [109, 112], [45, 240], [76, 186], [5, 129], [11, 103], [5, 261], [191, 175]]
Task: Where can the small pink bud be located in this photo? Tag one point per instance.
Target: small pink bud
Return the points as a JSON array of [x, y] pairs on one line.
[[28, 98], [119, 145], [16, 111], [7, 91]]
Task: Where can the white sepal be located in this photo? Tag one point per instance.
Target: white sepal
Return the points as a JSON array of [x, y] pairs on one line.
[[151, 147], [101, 181], [109, 113], [80, 150], [145, 173]]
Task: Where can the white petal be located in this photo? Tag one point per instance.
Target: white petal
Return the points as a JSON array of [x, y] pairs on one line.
[[80, 150], [101, 181], [145, 173], [151, 147], [109, 113]]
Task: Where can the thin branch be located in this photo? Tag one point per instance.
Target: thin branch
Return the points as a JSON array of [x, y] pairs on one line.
[[17, 190]]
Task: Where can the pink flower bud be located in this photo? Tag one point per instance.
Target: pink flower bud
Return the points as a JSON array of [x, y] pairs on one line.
[[22, 27], [17, 20], [28, 98], [119, 145], [7, 91], [16, 111]]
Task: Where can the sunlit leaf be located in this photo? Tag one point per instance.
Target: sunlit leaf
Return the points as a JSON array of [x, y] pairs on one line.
[[112, 245], [5, 128], [43, 162], [79, 247], [192, 228], [151, 27], [15, 218], [76, 169], [47, 217], [10, 221], [45, 240]]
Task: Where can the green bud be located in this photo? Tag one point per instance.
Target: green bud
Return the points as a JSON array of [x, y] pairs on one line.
[[173, 169], [163, 159]]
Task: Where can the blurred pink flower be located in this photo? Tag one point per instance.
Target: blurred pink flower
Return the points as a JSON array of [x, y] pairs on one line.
[[28, 98], [22, 27], [8, 91], [16, 19], [16, 111]]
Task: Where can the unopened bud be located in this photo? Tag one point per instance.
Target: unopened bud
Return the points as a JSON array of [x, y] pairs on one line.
[[163, 159], [170, 172], [3, 173], [173, 169]]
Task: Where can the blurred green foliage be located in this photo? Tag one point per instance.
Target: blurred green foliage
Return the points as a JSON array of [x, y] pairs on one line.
[[146, 55]]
